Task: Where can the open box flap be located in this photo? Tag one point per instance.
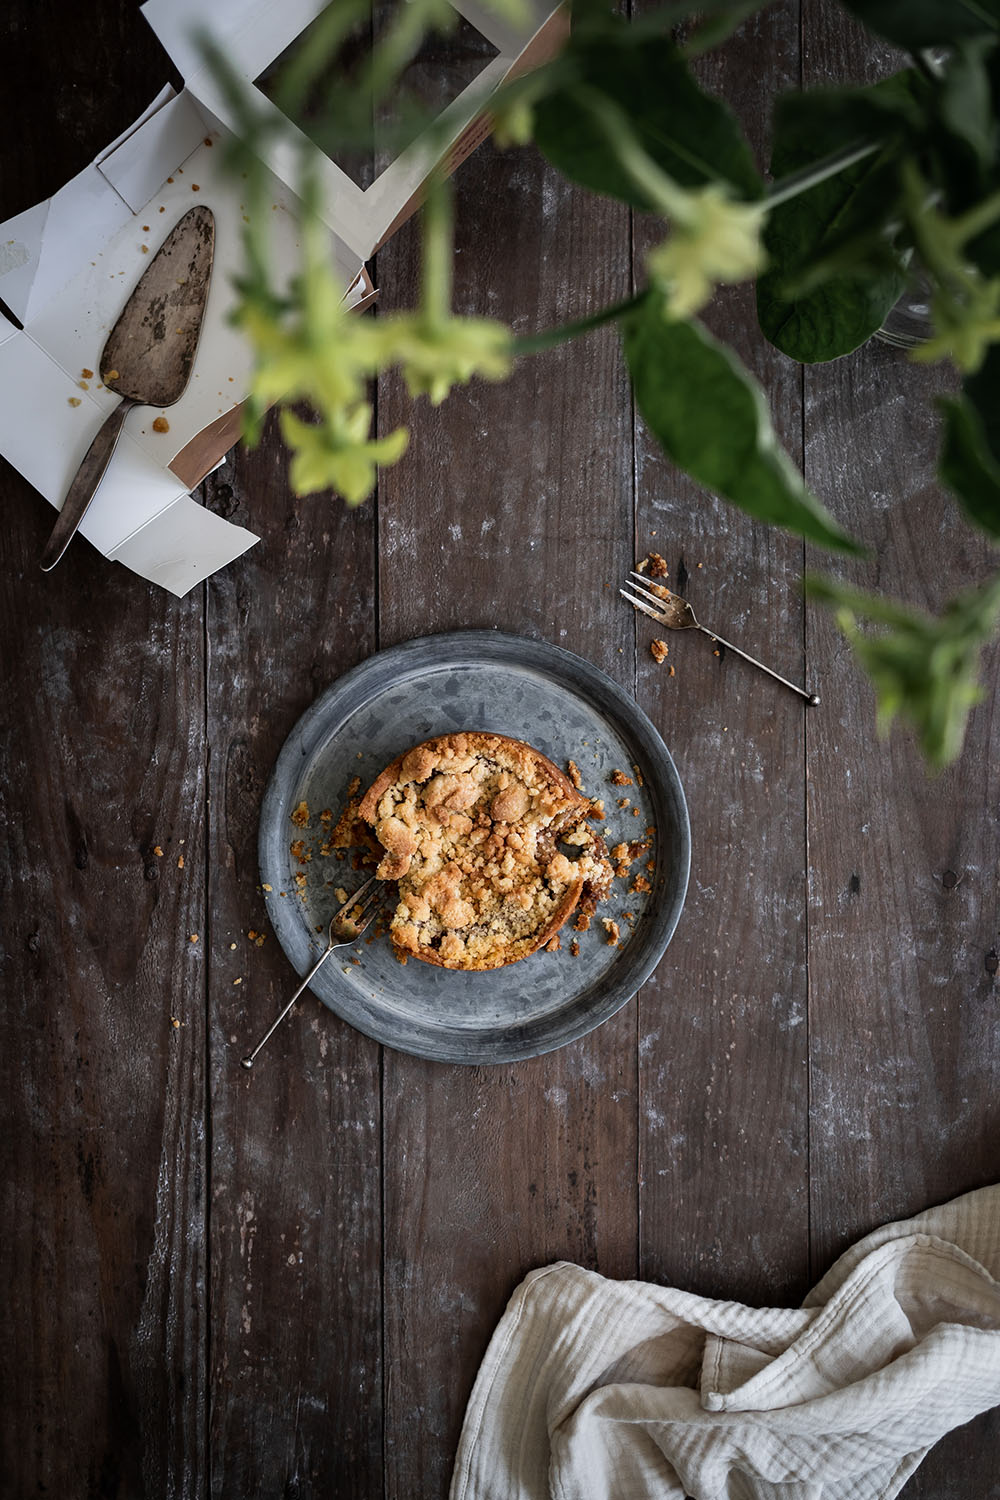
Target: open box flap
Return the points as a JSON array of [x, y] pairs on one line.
[[253, 35], [72, 324], [68, 265], [165, 95], [45, 437], [244, 30], [72, 262], [42, 247], [142, 160], [142, 514], [183, 545]]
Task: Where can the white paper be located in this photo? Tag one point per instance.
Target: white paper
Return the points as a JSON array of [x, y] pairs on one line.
[[69, 265], [251, 36], [183, 545], [45, 438], [139, 163]]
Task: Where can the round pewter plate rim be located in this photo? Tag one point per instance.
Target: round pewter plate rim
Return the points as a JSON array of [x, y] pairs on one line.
[[389, 1020]]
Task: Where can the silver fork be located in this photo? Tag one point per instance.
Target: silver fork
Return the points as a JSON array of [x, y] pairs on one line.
[[669, 609], [346, 926]]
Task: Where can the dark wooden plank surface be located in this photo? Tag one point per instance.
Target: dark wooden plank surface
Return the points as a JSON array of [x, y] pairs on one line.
[[903, 872], [102, 1369], [723, 1039], [282, 1284], [295, 1231], [524, 521]]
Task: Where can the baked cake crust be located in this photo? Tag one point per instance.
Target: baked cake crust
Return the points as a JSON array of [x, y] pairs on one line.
[[470, 824]]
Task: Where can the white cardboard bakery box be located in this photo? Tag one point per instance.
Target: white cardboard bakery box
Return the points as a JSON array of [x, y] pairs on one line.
[[68, 265]]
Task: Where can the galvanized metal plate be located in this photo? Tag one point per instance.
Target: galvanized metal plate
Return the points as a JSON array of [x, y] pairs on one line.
[[535, 692]]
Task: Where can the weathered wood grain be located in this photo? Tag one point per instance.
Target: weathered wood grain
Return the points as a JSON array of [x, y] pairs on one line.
[[512, 508], [103, 1097], [295, 1229], [223, 1284], [722, 1042], [903, 900], [103, 1264]]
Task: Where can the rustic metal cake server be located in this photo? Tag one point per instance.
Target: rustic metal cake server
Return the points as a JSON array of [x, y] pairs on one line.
[[669, 609], [148, 357]]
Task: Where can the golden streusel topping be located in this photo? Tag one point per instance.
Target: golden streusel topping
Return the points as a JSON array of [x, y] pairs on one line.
[[470, 825]]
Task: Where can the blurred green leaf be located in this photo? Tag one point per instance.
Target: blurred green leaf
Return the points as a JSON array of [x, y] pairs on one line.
[[924, 669], [860, 278], [909, 168], [967, 466], [927, 23], [710, 416], [966, 177], [965, 103], [687, 132], [958, 152], [833, 274], [983, 390], [809, 123]]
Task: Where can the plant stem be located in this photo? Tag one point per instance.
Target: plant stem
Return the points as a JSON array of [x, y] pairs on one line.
[[535, 343], [800, 182], [436, 270], [976, 219]]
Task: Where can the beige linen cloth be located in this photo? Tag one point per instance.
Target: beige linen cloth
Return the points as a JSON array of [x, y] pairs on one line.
[[621, 1390]]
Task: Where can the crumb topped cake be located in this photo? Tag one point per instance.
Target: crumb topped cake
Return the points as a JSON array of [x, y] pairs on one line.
[[471, 826]]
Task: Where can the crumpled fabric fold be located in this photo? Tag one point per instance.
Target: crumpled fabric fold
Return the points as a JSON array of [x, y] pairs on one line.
[[622, 1390]]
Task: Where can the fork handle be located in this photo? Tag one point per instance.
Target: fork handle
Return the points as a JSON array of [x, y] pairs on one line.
[[811, 698], [86, 483], [247, 1062]]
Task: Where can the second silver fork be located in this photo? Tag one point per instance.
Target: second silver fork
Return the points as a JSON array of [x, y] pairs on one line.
[[669, 609]]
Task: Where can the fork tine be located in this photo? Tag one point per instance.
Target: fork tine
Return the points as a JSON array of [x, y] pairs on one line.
[[654, 614], [358, 895], [371, 902], [648, 593], [649, 582], [358, 910]]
